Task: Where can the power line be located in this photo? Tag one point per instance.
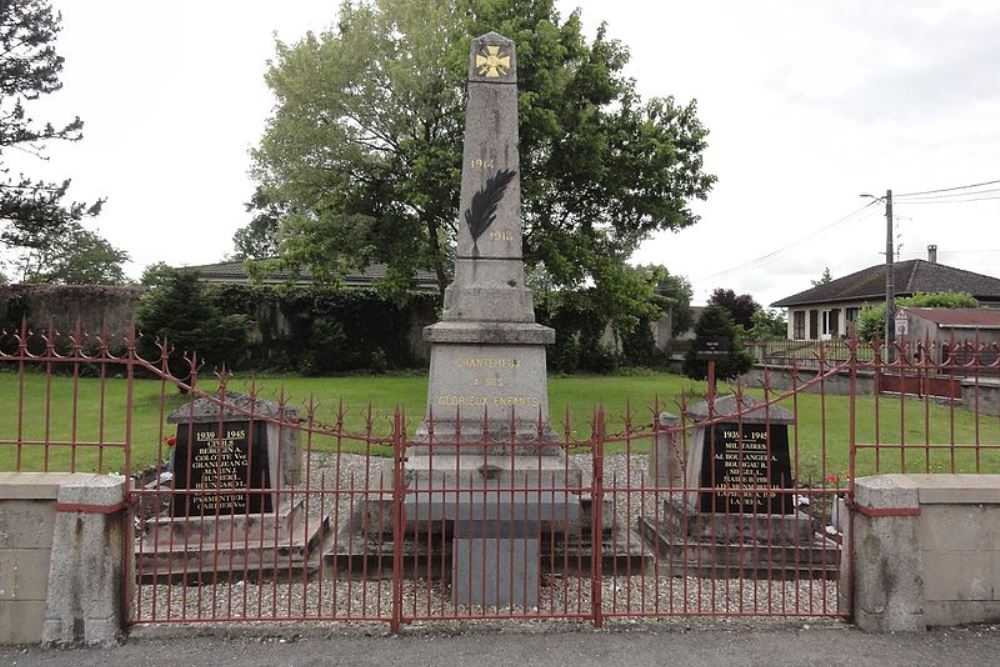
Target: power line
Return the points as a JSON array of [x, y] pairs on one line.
[[951, 201], [950, 195], [957, 187], [774, 255]]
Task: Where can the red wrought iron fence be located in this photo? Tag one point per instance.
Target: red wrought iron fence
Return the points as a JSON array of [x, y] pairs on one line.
[[252, 505]]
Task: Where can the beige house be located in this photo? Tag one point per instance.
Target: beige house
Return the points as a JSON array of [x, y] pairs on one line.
[[830, 310]]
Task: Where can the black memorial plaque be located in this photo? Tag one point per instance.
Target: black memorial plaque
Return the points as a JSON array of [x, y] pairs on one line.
[[712, 348], [214, 465], [733, 460]]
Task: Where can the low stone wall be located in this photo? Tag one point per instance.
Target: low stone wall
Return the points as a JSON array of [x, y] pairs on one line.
[[988, 399], [836, 385], [925, 551], [61, 558]]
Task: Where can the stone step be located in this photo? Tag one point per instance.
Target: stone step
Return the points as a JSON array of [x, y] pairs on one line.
[[710, 559]]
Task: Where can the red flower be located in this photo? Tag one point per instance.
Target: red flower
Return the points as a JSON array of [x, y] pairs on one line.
[[832, 478], [171, 440]]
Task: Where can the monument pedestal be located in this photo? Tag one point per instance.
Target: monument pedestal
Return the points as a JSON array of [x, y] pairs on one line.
[[487, 382]]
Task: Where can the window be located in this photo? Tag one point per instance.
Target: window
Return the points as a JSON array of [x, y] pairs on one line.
[[799, 325], [852, 314]]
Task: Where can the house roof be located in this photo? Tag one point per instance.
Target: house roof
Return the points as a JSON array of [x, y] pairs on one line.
[[958, 318], [911, 276], [235, 272]]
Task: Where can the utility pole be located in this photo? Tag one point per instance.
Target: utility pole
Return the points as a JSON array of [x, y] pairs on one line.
[[890, 281]]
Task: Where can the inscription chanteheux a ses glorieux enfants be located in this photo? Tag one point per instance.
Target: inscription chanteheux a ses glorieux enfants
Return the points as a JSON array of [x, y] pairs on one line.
[[217, 461], [486, 385], [739, 457]]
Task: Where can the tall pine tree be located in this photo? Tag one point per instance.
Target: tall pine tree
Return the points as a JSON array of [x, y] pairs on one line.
[[31, 210]]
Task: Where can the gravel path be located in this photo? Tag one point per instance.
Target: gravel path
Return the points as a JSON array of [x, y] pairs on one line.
[[328, 593]]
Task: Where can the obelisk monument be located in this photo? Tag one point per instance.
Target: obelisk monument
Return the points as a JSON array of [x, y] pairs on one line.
[[487, 353]]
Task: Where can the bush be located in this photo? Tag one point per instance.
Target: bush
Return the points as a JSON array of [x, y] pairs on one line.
[[181, 310], [716, 323]]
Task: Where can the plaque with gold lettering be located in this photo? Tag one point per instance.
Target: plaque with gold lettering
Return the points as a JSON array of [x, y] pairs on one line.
[[225, 465], [748, 456]]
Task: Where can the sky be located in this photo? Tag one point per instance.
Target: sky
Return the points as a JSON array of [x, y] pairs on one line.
[[809, 104]]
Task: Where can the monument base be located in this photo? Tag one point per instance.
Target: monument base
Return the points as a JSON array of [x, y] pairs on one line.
[[722, 546], [187, 548], [565, 544], [495, 564]]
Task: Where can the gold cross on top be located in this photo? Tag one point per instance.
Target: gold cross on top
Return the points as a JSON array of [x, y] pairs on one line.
[[492, 63]]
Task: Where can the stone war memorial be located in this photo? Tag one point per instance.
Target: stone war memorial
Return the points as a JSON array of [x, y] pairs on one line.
[[231, 460], [483, 470]]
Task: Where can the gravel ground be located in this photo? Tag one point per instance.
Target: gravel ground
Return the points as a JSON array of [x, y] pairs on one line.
[[329, 594]]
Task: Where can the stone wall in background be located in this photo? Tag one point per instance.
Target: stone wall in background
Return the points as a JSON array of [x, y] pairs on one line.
[[95, 306], [284, 336]]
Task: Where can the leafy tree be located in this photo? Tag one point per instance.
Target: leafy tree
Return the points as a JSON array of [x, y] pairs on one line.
[[181, 310], [363, 153], [827, 277], [740, 307], [31, 211], [156, 274], [767, 323], [716, 323], [871, 319], [259, 239], [73, 256], [674, 294]]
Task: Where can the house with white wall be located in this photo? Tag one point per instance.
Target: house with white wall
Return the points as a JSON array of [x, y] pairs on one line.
[[830, 310]]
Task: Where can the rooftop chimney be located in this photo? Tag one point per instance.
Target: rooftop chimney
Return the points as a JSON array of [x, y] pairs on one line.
[[932, 254]]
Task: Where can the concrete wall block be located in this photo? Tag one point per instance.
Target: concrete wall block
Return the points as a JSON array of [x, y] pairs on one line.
[[958, 575], [84, 603], [962, 612], [888, 582], [102, 490], [26, 524], [957, 527], [21, 621], [24, 574], [887, 491]]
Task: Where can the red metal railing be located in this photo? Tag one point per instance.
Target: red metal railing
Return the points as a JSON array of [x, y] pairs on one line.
[[360, 517]]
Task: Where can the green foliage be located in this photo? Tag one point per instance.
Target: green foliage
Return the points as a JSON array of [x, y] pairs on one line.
[[716, 323], [827, 277], [740, 307], [323, 330], [32, 211], [580, 331], [259, 239], [362, 157], [181, 310], [73, 255], [871, 322], [871, 319], [767, 323], [676, 293], [156, 274], [939, 300]]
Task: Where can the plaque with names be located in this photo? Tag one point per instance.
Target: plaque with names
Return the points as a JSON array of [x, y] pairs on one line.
[[218, 461], [737, 457]]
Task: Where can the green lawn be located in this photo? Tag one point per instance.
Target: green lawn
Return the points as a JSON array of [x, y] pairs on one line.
[[822, 435]]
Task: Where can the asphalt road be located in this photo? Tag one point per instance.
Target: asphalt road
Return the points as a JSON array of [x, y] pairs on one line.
[[825, 644]]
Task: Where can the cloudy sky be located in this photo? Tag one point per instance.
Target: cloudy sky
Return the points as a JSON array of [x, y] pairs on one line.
[[808, 103]]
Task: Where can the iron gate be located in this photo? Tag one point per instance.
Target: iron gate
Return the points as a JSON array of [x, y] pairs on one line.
[[339, 531]]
